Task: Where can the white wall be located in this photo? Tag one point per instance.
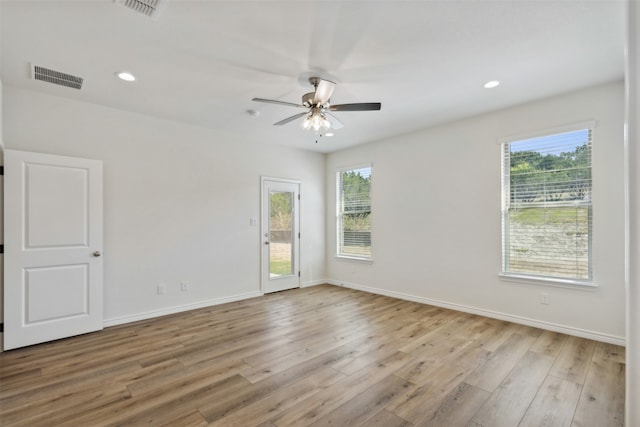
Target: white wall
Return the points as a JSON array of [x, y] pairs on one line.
[[177, 199], [632, 394], [436, 217]]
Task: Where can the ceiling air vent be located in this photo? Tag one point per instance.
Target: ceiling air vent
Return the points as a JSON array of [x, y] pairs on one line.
[[56, 77], [150, 8]]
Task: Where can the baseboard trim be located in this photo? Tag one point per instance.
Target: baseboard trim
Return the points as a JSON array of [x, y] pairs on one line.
[[178, 309], [569, 330], [313, 283]]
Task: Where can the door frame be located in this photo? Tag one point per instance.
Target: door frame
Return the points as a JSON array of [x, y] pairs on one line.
[[264, 260]]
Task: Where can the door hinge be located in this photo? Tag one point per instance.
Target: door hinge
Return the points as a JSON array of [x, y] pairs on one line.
[[298, 235], [1, 170], [298, 274], [1, 249], [298, 196]]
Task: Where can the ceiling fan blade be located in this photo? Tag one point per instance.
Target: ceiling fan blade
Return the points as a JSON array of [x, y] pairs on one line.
[[335, 122], [290, 119], [362, 106], [324, 90], [273, 101]]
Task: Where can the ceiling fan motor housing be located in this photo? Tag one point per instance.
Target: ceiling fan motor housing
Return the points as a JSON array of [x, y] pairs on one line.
[[307, 99]]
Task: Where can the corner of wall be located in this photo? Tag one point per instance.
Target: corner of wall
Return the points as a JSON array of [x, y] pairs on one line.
[[1, 222]]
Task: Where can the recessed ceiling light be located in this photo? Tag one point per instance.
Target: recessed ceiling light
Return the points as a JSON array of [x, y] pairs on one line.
[[126, 76], [328, 134], [491, 84]]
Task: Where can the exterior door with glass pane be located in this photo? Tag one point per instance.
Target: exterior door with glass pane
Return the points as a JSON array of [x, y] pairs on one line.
[[280, 235]]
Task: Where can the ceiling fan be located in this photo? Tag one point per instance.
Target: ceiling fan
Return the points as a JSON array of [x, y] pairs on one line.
[[317, 105]]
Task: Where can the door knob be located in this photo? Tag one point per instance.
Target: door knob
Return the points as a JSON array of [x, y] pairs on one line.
[[97, 253], [266, 243]]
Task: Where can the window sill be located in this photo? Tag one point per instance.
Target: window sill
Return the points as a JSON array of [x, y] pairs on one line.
[[548, 281], [353, 258]]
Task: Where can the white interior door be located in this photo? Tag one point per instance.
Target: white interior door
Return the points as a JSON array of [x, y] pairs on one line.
[[53, 245], [280, 235]]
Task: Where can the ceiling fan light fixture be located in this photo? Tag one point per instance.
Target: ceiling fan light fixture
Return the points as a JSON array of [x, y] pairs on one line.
[[316, 121], [491, 84]]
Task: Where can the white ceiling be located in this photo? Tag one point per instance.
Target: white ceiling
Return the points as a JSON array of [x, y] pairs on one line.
[[201, 62]]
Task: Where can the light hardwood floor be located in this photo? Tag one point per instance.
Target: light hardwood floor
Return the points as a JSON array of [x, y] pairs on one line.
[[316, 356]]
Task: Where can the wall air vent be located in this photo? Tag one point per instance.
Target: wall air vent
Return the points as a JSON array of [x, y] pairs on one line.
[[56, 77], [150, 8]]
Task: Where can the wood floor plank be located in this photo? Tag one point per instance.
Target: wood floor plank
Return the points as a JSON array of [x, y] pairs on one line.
[[324, 355], [161, 379], [190, 419], [459, 407], [235, 349], [361, 347], [280, 400], [43, 388], [441, 329], [18, 378], [500, 333], [509, 402], [312, 349], [554, 404], [385, 418], [270, 353], [473, 355], [182, 392], [434, 359], [549, 343], [150, 409], [228, 402], [170, 415], [491, 373], [574, 359], [57, 410], [420, 402], [333, 397], [478, 328], [609, 352], [73, 390], [358, 410], [602, 400], [364, 356]]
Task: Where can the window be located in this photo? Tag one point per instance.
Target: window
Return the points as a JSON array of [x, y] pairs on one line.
[[354, 212], [546, 207]]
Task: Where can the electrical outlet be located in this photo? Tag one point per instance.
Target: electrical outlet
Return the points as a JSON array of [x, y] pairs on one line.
[[162, 289], [184, 286], [544, 298]]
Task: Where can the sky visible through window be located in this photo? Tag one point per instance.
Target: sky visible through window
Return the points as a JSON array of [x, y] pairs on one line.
[[363, 172], [552, 144]]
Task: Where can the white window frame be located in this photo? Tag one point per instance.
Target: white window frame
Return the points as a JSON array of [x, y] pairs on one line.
[[339, 235], [526, 278]]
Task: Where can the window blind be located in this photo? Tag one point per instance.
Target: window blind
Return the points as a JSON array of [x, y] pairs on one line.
[[547, 207], [354, 212]]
